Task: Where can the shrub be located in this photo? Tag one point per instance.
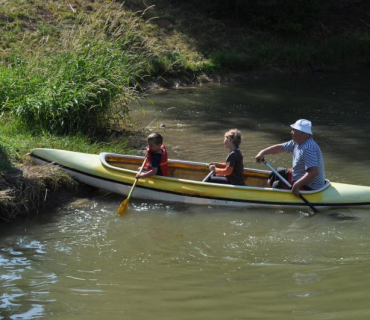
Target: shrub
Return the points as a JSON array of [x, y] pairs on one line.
[[73, 86]]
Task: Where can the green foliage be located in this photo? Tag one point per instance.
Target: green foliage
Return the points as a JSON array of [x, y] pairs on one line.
[[341, 50], [5, 164], [178, 63], [228, 60], [73, 87], [16, 142]]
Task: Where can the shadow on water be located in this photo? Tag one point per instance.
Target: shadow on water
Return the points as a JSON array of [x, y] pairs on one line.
[[340, 216]]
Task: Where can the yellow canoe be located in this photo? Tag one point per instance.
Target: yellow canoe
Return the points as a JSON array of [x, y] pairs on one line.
[[116, 173]]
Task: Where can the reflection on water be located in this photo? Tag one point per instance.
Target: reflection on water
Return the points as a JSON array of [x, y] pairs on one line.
[[173, 261]]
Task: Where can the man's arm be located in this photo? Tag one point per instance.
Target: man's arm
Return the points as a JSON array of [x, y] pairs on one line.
[[275, 149], [310, 174]]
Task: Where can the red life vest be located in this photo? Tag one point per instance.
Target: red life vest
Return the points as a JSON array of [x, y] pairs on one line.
[[163, 164]]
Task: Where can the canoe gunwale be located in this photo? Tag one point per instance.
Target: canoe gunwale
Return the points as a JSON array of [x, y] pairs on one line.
[[104, 155], [104, 162]]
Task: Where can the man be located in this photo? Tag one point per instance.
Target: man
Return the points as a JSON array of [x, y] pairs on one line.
[[308, 172]]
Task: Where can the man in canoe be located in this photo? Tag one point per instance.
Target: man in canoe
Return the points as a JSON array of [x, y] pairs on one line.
[[308, 171]]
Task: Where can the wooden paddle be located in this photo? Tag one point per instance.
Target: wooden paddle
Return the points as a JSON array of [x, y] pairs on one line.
[[289, 185], [124, 205]]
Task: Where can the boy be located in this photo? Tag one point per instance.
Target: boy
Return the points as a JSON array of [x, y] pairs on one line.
[[156, 157]]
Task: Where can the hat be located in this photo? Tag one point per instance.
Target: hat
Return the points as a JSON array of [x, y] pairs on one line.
[[303, 125]]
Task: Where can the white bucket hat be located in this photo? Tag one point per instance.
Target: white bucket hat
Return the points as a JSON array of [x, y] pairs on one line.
[[303, 125]]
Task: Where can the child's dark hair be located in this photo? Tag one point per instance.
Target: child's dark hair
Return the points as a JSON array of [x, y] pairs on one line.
[[156, 138], [235, 137]]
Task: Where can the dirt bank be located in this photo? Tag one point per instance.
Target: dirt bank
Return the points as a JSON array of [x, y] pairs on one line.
[[27, 189]]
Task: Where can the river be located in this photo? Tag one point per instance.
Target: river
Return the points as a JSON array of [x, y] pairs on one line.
[[171, 261]]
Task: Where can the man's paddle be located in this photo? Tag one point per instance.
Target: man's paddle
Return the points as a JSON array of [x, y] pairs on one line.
[[124, 205], [289, 185]]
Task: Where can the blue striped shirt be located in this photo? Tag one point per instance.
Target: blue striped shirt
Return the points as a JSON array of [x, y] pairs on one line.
[[305, 156]]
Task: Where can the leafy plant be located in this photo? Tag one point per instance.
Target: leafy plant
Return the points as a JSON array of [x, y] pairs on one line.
[[72, 87]]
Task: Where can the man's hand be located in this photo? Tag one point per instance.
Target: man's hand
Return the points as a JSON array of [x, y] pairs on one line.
[[305, 180], [277, 148], [295, 189], [260, 157], [212, 168]]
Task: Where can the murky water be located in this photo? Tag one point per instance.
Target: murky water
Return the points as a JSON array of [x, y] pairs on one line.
[[170, 261]]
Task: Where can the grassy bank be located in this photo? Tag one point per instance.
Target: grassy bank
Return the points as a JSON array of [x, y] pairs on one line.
[[66, 84], [24, 188], [69, 70]]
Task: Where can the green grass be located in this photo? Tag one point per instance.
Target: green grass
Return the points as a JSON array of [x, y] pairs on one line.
[[5, 164], [16, 143], [83, 84]]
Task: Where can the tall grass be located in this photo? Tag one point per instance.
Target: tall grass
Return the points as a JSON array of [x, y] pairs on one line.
[[16, 142], [5, 164], [75, 86]]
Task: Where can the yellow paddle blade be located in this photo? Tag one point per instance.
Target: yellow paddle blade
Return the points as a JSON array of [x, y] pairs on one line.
[[123, 207]]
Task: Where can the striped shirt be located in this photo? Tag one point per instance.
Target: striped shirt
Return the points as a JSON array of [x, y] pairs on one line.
[[305, 156]]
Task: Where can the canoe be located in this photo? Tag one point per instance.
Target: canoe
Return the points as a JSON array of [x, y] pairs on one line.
[[116, 173]]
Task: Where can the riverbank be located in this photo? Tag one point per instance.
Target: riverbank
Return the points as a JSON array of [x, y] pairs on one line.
[[26, 189], [218, 38], [90, 60]]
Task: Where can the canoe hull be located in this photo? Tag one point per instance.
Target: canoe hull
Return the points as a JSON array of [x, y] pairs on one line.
[[89, 169], [149, 194]]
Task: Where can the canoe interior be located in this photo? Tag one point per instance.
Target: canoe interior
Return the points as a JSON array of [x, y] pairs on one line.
[[196, 172]]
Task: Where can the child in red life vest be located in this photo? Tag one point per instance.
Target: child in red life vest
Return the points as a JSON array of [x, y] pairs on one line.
[[230, 172], [156, 157]]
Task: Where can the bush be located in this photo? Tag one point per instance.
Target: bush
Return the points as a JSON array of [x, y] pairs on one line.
[[73, 87]]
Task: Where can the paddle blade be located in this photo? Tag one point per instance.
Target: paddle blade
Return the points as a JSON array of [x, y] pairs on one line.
[[123, 207]]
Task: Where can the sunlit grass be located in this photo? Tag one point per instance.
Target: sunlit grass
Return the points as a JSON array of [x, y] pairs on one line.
[[16, 143], [73, 86]]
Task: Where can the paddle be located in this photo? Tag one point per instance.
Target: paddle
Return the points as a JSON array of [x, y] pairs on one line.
[[124, 205], [289, 185], [207, 177]]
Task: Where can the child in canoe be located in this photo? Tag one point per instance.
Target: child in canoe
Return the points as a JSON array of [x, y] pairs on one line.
[[156, 157], [230, 172]]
